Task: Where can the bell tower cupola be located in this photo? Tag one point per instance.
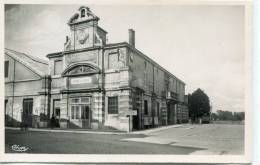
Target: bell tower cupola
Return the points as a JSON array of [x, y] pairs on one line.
[[85, 31]]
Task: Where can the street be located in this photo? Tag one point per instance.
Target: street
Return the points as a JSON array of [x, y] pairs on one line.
[[213, 139], [184, 140]]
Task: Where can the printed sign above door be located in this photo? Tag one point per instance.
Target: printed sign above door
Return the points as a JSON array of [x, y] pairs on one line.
[[81, 80]]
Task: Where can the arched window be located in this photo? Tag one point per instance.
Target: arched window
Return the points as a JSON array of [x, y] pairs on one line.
[[80, 69], [83, 13]]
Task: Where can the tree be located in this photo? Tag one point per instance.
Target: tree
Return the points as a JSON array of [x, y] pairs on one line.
[[228, 115], [239, 116], [213, 116], [225, 115], [199, 104]]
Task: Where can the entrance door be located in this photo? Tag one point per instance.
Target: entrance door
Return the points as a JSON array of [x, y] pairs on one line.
[[56, 112], [27, 112], [85, 116], [81, 112], [56, 108], [136, 121], [168, 113]]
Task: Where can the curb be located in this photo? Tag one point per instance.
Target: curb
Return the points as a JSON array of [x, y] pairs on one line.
[[158, 129], [99, 132], [69, 131]]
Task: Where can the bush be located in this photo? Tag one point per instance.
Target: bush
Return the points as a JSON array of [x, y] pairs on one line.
[[43, 117], [63, 120], [184, 120]]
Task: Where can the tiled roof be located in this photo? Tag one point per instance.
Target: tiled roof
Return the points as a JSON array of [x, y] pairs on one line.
[[38, 65]]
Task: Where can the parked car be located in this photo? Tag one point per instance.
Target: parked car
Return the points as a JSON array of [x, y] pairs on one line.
[[205, 120]]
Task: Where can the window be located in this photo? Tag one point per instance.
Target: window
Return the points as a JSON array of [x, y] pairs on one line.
[[85, 100], [72, 112], [145, 107], [75, 112], [57, 67], [83, 13], [112, 105], [75, 100], [84, 112], [81, 70], [6, 68], [145, 64]]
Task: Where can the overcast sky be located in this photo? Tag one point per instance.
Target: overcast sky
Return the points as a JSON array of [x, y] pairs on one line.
[[202, 45]]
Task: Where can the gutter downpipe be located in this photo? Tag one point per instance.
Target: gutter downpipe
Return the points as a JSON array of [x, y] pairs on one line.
[[44, 95], [13, 96], [103, 82]]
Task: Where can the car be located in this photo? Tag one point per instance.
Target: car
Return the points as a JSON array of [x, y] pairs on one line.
[[205, 120]]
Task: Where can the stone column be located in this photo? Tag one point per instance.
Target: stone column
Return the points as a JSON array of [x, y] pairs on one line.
[[125, 105], [98, 115], [64, 111], [164, 114]]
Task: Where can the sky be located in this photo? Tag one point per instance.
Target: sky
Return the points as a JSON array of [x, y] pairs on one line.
[[203, 45]]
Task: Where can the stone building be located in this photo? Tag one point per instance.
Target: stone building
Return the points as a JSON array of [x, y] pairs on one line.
[[99, 85]]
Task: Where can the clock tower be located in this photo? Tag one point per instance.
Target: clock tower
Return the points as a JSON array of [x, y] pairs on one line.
[[85, 31]]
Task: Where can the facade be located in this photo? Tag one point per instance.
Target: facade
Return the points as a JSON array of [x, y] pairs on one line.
[[96, 85], [26, 86]]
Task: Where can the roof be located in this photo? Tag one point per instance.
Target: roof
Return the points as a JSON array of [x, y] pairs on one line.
[[39, 66], [101, 29]]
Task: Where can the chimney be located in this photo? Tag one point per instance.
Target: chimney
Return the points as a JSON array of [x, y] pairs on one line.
[[131, 37]]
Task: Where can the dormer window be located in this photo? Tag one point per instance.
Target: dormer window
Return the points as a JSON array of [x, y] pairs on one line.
[[83, 13]]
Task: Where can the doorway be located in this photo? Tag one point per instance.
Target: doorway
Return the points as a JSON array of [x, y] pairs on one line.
[[80, 114], [27, 112], [56, 112], [136, 121]]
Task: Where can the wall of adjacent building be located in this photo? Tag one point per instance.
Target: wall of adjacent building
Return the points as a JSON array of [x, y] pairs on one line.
[[21, 83], [151, 78]]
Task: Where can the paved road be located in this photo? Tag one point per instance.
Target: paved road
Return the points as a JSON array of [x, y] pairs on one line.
[[187, 139], [213, 138], [73, 143]]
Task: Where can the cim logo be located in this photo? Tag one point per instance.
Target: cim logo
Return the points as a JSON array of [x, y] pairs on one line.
[[19, 148]]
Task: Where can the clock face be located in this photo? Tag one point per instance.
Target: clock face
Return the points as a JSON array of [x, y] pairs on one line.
[[82, 36]]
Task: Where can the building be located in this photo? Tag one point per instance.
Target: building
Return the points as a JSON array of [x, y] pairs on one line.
[[99, 85], [26, 85]]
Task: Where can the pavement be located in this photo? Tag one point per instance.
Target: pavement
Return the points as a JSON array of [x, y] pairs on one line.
[[80, 131], [151, 130], [88, 131], [212, 139]]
